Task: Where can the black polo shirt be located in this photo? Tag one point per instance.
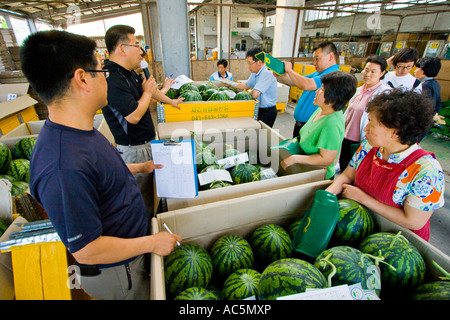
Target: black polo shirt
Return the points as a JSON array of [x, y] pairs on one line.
[[124, 91]]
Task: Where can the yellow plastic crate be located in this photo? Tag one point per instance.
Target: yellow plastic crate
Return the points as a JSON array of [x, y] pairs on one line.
[[29, 114], [40, 271], [191, 111], [8, 124], [281, 107]]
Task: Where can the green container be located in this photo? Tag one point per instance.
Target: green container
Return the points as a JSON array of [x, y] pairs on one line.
[[317, 225]]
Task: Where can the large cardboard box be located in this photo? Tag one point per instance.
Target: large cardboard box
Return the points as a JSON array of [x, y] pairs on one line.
[[204, 224], [13, 104], [246, 135]]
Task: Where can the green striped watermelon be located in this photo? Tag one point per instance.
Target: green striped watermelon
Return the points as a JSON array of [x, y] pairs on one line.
[[219, 184], [241, 284], [403, 268], [208, 93], [293, 228], [244, 172], [230, 253], [18, 188], [289, 276], [23, 148], [215, 291], [191, 95], [196, 293], [347, 265], [9, 178], [206, 86], [270, 242], [436, 290], [5, 158], [243, 95], [188, 265], [354, 224], [205, 158], [172, 93], [219, 96], [18, 169], [187, 87]]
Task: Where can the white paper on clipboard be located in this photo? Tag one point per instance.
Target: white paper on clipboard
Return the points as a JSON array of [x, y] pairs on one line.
[[180, 80], [178, 177]]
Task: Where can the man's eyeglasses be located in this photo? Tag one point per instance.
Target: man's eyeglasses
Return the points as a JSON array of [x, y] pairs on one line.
[[130, 45], [105, 72], [404, 67]]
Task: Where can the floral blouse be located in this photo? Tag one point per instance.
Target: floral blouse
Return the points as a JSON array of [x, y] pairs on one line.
[[421, 185]]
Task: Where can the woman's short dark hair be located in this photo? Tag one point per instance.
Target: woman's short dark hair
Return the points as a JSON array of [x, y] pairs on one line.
[[339, 87], [379, 61], [429, 65], [50, 58], [222, 62], [252, 52], [409, 54], [409, 113], [116, 35]]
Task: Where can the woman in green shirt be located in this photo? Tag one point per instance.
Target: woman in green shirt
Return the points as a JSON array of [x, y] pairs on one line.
[[321, 137]]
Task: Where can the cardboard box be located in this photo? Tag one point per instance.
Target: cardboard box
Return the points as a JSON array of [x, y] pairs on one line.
[[13, 102], [246, 135], [241, 216]]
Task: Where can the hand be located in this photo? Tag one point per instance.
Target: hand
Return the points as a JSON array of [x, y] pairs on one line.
[[287, 66], [353, 193], [174, 103], [149, 166], [149, 85], [167, 84], [438, 119], [286, 163], [164, 243]]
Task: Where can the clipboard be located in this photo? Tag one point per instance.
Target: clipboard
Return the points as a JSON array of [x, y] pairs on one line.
[[178, 177], [271, 63]]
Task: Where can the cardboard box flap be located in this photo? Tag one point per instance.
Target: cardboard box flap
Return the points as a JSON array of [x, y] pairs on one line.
[[12, 106], [21, 89]]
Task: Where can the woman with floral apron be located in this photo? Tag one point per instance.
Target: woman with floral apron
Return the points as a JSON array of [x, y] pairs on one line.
[[390, 173]]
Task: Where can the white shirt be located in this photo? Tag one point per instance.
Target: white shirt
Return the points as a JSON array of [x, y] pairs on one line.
[[405, 82]]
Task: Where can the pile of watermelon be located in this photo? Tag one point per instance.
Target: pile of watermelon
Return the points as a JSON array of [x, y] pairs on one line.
[[443, 129], [207, 92], [267, 266], [15, 164], [206, 160]]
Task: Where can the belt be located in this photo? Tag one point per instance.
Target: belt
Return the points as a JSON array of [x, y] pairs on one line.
[[267, 108]]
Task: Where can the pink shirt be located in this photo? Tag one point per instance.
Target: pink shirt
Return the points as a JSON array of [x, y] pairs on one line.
[[355, 109]]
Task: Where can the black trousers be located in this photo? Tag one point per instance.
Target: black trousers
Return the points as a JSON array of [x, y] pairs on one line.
[[298, 125], [346, 153], [268, 115]]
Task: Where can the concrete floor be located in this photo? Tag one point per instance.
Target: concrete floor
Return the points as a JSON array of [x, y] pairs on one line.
[[440, 220]]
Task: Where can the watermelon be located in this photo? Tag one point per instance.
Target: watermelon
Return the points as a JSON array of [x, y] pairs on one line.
[[354, 224], [205, 158], [18, 169], [187, 87], [3, 226], [231, 94], [9, 178], [206, 86], [289, 276], [23, 148], [347, 265], [208, 93], [436, 290], [293, 228], [5, 158], [18, 188], [196, 293], [230, 151], [219, 96], [403, 267], [270, 242], [244, 172], [219, 184], [191, 95], [241, 284], [243, 95], [230, 253], [187, 266], [172, 93]]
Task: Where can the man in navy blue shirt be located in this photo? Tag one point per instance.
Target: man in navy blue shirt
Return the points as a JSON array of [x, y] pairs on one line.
[[88, 192]]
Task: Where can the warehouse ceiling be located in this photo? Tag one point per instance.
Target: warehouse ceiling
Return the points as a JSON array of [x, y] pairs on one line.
[[59, 13]]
